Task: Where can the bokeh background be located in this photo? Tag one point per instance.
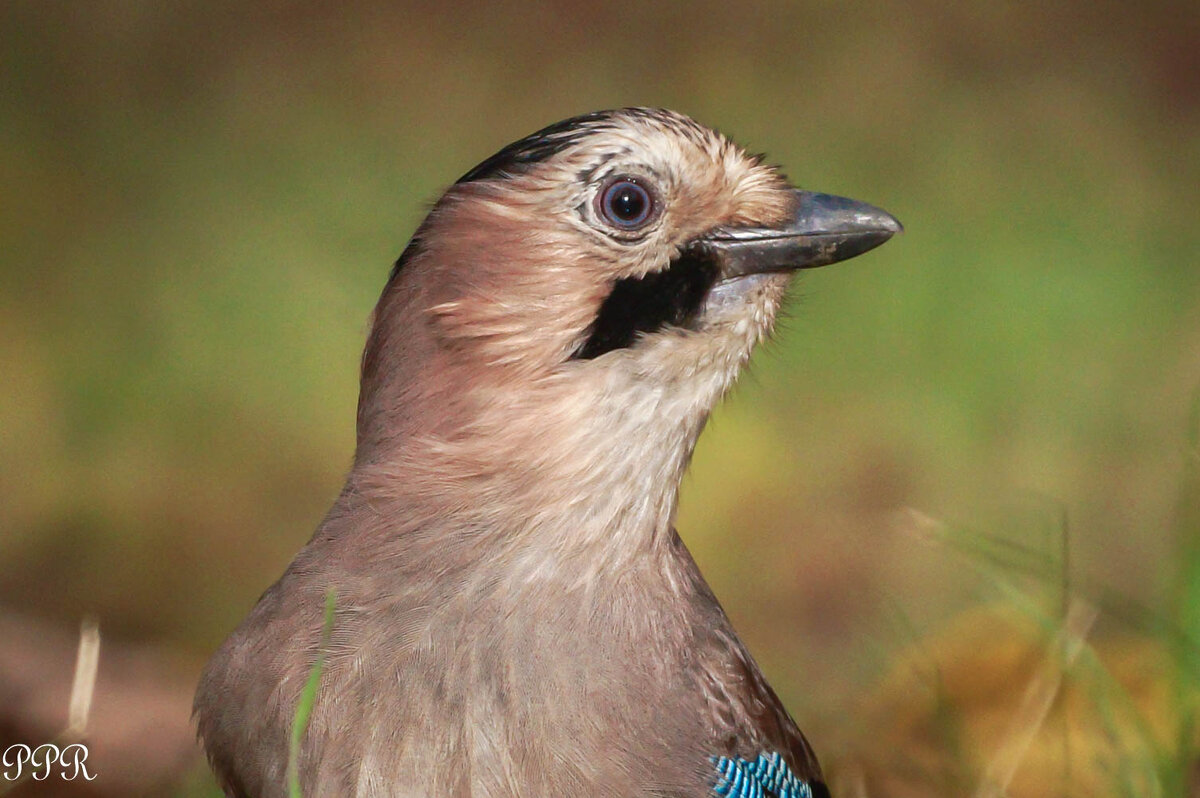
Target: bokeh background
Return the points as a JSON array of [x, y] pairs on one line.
[[954, 508]]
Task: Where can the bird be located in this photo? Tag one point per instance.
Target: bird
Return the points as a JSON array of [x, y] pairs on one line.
[[515, 613]]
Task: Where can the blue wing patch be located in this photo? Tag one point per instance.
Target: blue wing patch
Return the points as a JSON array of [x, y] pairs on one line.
[[765, 777]]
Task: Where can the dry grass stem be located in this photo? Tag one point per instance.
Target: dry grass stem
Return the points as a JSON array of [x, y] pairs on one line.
[[83, 685], [1038, 700]]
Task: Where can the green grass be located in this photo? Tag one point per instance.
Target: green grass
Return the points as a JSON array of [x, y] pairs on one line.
[[308, 698]]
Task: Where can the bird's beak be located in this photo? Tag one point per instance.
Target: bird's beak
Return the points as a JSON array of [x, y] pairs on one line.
[[824, 229]]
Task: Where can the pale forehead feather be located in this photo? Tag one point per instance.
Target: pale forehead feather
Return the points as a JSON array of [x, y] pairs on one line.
[[671, 145]]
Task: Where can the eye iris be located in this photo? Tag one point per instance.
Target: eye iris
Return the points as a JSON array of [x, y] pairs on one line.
[[626, 203]]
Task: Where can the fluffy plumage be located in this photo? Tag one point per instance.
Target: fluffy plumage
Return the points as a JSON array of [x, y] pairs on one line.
[[516, 613]]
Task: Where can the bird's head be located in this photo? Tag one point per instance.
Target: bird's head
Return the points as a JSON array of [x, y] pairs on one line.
[[606, 276]]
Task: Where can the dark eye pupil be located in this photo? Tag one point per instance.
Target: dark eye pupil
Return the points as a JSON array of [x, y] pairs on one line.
[[626, 204]]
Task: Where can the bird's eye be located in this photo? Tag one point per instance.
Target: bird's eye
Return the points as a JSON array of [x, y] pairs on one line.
[[626, 204]]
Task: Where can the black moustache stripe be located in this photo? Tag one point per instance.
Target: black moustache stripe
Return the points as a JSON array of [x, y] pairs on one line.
[[641, 305]]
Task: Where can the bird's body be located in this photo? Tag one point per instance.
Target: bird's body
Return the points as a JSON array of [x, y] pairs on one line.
[[516, 615]]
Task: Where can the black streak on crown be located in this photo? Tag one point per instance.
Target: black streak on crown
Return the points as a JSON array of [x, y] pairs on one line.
[[640, 305], [536, 147], [553, 139]]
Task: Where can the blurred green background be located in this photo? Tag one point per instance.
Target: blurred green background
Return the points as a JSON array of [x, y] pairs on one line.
[[201, 201]]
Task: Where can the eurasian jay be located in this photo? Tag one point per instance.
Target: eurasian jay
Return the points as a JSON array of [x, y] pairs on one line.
[[515, 612]]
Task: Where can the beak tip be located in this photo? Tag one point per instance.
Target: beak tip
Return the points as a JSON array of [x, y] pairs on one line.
[[871, 217]]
